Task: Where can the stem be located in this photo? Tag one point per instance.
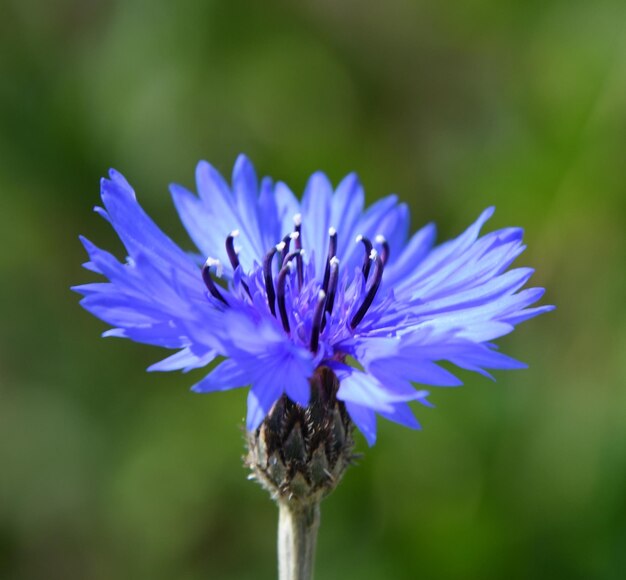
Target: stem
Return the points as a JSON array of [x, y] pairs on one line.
[[297, 534]]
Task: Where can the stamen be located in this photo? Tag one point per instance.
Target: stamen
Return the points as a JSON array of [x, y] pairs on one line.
[[300, 268], [298, 253], [208, 281], [332, 232], [332, 288], [233, 256], [290, 256], [285, 250], [297, 222], [280, 286], [230, 249], [332, 252], [371, 292], [267, 276], [317, 320], [367, 263], [384, 254], [214, 262], [295, 236]]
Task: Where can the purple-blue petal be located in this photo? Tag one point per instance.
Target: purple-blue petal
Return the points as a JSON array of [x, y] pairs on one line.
[[365, 420], [403, 415], [227, 375]]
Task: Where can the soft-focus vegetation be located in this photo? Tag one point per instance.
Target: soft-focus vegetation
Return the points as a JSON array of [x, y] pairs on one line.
[[108, 472]]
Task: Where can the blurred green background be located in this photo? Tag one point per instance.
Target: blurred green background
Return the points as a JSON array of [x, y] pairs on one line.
[[108, 472]]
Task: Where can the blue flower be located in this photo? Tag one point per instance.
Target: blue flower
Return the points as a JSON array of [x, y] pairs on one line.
[[283, 287]]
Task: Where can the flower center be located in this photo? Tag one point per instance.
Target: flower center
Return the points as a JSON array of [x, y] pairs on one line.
[[291, 261]]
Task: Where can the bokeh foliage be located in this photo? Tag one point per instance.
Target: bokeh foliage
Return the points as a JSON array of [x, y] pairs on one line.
[[109, 472]]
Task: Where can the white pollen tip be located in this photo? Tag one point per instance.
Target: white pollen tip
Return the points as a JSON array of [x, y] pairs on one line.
[[302, 251], [291, 266], [380, 239], [373, 254], [214, 263], [237, 249], [332, 231], [334, 261], [359, 238], [234, 233], [280, 246], [321, 295], [294, 235], [297, 219]]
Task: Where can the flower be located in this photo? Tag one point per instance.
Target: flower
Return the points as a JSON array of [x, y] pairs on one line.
[[282, 288]]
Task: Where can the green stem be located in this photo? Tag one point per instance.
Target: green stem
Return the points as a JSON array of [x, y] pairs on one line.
[[297, 534]]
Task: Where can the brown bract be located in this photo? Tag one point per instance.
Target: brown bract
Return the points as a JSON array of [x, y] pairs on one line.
[[299, 454]]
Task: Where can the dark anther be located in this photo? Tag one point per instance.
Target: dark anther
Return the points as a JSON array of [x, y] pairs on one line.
[[317, 320], [280, 290], [297, 222], [230, 249], [299, 262], [206, 276], [285, 247], [280, 287], [233, 256], [300, 267], [332, 288], [367, 263], [332, 252], [384, 253], [289, 257], [371, 291], [267, 276], [295, 236]]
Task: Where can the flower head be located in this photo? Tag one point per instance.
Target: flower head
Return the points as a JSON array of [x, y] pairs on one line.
[[283, 288]]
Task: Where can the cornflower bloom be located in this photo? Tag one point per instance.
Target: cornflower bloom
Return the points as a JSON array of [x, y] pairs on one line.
[[328, 311]]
